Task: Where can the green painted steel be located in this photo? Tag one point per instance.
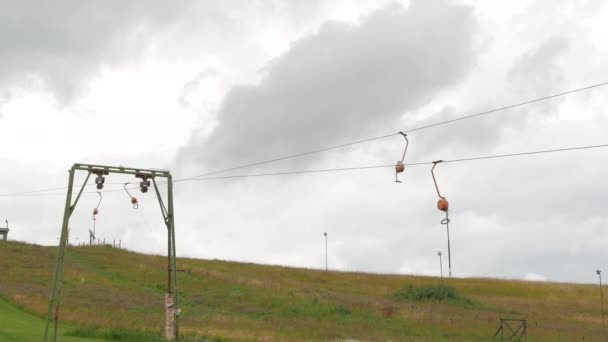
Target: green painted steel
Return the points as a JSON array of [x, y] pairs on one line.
[[54, 300]]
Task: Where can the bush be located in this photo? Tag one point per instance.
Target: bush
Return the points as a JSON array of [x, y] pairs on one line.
[[432, 293], [113, 334]]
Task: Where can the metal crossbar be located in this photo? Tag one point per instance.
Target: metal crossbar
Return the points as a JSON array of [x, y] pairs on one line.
[[517, 329]]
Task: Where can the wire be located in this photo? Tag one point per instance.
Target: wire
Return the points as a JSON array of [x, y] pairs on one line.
[[507, 107], [526, 153], [407, 131], [32, 191], [286, 157], [357, 168], [295, 172], [29, 194], [53, 189], [351, 143], [408, 164]]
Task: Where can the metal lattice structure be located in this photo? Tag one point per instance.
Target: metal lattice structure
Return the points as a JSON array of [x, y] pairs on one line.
[[517, 329], [172, 311]]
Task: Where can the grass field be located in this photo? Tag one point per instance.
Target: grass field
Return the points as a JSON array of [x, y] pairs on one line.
[[124, 291], [19, 326]]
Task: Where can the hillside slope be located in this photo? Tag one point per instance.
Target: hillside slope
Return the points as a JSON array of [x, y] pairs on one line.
[[116, 288], [20, 326]]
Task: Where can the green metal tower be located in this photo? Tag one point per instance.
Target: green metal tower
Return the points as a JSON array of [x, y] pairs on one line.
[[172, 311]]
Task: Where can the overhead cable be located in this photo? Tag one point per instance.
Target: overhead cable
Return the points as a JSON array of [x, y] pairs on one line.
[[470, 116]]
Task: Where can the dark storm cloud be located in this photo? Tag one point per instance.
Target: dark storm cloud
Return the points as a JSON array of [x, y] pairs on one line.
[[345, 81]]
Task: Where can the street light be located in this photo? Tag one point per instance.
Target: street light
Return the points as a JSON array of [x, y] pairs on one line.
[[599, 273], [325, 234], [440, 265]]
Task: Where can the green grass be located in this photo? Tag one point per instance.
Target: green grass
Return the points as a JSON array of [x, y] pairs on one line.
[[111, 293], [17, 325], [113, 334], [434, 293]]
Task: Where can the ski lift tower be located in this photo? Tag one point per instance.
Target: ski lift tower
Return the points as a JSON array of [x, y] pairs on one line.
[[4, 231], [145, 178]]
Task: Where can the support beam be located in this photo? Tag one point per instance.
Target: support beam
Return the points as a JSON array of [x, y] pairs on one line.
[[54, 300], [171, 217]]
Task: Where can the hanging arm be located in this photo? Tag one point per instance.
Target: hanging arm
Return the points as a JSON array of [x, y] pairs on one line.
[[400, 167], [100, 198], [133, 199], [433, 174], [407, 143]]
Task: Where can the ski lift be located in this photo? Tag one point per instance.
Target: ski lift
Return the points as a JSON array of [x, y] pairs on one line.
[[400, 166], [442, 203], [133, 199], [96, 209]]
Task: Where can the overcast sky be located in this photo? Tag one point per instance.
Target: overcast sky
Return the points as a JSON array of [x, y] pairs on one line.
[[199, 86]]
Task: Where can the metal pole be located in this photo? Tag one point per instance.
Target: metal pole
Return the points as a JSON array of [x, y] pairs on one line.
[[59, 264], [447, 225], [171, 217], [440, 264], [325, 251], [599, 273]]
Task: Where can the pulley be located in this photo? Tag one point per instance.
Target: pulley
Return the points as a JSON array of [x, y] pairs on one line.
[[400, 166], [100, 179], [144, 184]]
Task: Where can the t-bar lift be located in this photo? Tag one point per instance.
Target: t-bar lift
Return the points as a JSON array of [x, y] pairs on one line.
[[172, 311]]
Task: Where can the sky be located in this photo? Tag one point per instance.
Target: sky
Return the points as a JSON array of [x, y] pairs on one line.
[[200, 86]]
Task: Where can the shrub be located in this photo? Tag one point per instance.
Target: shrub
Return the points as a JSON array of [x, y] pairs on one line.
[[113, 334], [432, 293]]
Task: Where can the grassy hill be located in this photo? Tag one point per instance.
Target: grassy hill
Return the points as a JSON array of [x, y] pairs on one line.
[[20, 326], [121, 292]]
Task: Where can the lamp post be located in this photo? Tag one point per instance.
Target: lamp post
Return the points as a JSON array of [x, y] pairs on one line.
[[440, 265], [325, 234], [599, 273]]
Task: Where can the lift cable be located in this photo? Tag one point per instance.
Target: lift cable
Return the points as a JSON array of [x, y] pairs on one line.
[[470, 116], [367, 167], [202, 176], [407, 164]]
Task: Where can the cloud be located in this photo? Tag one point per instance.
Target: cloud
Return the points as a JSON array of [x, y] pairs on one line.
[[534, 277], [347, 80], [59, 47], [538, 71], [395, 68]]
